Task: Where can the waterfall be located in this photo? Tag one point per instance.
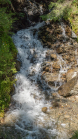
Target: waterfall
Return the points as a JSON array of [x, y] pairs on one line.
[[26, 114]]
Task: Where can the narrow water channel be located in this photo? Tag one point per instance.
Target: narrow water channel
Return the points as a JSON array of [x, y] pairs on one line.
[[29, 98]]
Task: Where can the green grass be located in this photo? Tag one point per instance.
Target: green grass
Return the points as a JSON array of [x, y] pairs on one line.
[[7, 69], [8, 53], [74, 16]]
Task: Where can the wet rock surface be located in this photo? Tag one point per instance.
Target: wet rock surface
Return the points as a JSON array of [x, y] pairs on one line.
[[28, 13], [63, 53], [57, 81], [44, 109], [18, 65], [61, 71]]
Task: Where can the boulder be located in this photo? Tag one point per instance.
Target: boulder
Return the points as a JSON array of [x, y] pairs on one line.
[[74, 91], [70, 73], [56, 104], [68, 31], [46, 69], [60, 50], [12, 90], [65, 89], [55, 95], [53, 56], [63, 48], [18, 65], [74, 35], [44, 109], [56, 66], [52, 79]]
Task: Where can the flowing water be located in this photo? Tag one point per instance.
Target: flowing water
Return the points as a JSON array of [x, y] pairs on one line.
[[29, 98]]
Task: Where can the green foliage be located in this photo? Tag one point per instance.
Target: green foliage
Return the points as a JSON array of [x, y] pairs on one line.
[[52, 5], [7, 54], [5, 1], [61, 1], [67, 12], [10, 133], [58, 11], [75, 2], [21, 14], [75, 136], [7, 69], [6, 21], [63, 9]]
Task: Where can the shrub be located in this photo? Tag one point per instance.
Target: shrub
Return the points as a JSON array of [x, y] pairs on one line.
[[57, 11]]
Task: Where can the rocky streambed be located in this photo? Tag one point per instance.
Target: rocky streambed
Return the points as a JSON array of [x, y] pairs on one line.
[[45, 101], [60, 72]]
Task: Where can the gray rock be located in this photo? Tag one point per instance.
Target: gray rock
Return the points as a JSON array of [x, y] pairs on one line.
[[18, 65], [74, 35]]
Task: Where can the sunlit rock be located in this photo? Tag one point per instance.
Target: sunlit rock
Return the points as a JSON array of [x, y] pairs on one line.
[[56, 65], [66, 116], [53, 56], [65, 89], [44, 109], [68, 31], [52, 79], [74, 35], [70, 74]]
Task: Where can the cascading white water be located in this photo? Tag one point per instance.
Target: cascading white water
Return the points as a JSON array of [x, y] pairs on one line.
[[27, 112], [28, 97]]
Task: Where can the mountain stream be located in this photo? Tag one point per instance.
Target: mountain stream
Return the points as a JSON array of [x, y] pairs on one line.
[[29, 98]]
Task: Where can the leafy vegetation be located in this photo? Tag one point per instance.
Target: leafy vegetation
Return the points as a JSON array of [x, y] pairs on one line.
[[63, 9], [7, 54], [74, 16], [75, 135], [58, 10], [10, 133]]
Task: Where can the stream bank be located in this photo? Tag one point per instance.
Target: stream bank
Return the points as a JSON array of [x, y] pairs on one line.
[[44, 69]]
